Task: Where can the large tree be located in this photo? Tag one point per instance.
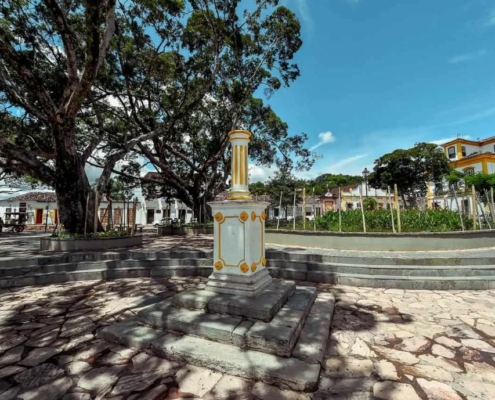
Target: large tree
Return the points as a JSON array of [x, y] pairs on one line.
[[193, 79], [410, 170], [50, 55], [168, 86]]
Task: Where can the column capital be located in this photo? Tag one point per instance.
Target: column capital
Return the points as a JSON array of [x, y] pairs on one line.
[[239, 134]]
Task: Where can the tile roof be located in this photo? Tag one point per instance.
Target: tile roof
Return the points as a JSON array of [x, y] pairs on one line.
[[41, 197]]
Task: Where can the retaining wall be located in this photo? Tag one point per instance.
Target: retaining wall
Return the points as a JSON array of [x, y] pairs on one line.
[[426, 241], [71, 244]]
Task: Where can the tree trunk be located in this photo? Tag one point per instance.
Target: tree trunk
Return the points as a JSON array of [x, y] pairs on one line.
[[72, 187]]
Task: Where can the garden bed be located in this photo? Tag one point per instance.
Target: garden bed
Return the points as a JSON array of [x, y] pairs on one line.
[[78, 244]]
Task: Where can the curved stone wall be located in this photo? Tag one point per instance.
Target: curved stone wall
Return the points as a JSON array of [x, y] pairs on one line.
[[425, 241]]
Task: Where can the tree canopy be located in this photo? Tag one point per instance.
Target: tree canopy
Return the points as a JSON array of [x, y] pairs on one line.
[[163, 81], [410, 169]]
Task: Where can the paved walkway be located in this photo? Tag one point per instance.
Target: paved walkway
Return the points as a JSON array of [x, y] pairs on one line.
[[395, 344], [27, 244]]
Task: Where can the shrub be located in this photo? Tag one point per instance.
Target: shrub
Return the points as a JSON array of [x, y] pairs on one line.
[[380, 221]]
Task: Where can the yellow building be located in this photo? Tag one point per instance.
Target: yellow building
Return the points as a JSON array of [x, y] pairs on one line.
[[471, 156]]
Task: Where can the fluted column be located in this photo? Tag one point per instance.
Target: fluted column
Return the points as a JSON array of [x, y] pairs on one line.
[[239, 140]]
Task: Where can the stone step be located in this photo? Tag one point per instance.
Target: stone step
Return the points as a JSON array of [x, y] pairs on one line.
[[389, 281], [291, 372], [277, 336], [474, 277], [100, 274], [310, 256], [165, 316], [406, 270], [369, 258], [138, 254]]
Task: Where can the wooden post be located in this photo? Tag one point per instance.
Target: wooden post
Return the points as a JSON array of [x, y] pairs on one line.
[[279, 210], [86, 216], [492, 205], [458, 207], [390, 204], [340, 210], [134, 207], [314, 211], [474, 206], [362, 207], [294, 212], [396, 196], [95, 221], [304, 209]]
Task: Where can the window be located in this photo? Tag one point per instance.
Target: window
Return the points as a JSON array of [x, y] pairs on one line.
[[451, 152], [469, 171], [463, 151]]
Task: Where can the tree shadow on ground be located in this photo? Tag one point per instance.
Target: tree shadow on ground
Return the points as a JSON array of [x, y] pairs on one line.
[[83, 308]]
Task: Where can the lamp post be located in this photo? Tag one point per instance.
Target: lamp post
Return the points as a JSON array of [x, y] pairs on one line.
[[365, 176]]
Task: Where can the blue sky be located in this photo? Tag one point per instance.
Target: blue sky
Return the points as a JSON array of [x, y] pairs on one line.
[[381, 75]]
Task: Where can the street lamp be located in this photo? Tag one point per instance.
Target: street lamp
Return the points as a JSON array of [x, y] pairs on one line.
[[365, 176]]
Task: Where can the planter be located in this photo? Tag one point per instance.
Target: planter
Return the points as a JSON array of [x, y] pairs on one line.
[[71, 244], [184, 231], [424, 241]]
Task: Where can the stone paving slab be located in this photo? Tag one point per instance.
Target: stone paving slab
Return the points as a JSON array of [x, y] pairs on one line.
[[394, 329]]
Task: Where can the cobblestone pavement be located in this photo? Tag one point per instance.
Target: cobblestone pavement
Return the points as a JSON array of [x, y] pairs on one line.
[[385, 344]]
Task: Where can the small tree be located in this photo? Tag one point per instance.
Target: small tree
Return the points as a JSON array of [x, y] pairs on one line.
[[285, 184], [370, 204], [410, 170]]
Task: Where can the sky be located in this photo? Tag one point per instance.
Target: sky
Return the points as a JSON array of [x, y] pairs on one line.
[[381, 75]]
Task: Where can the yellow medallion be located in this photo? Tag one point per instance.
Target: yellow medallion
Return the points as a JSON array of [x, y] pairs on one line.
[[218, 265], [218, 217], [244, 216], [244, 267]]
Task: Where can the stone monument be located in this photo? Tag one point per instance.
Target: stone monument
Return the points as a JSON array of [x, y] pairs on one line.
[[242, 322], [239, 245]]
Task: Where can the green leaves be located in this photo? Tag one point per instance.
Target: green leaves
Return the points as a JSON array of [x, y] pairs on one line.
[[438, 220], [410, 169]]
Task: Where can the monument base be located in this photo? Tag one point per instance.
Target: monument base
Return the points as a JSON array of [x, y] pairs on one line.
[[263, 307], [286, 350], [242, 285]]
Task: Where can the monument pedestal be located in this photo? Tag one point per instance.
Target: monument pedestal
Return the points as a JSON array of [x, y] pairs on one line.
[[239, 248], [242, 323]]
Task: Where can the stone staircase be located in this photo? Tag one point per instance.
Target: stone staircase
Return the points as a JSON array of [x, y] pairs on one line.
[[284, 346], [462, 270]]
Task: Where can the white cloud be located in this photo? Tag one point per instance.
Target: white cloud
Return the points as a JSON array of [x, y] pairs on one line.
[[346, 161], [460, 58], [260, 173], [491, 18], [448, 139], [324, 138]]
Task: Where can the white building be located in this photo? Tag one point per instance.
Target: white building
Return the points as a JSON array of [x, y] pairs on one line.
[[41, 209]]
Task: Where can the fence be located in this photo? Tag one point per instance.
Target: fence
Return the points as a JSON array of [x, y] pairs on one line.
[[454, 211]]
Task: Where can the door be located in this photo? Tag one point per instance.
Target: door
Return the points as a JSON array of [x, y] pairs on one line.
[[39, 216], [150, 216]]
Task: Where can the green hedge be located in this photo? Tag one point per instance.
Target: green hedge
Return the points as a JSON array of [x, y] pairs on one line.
[[380, 221]]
